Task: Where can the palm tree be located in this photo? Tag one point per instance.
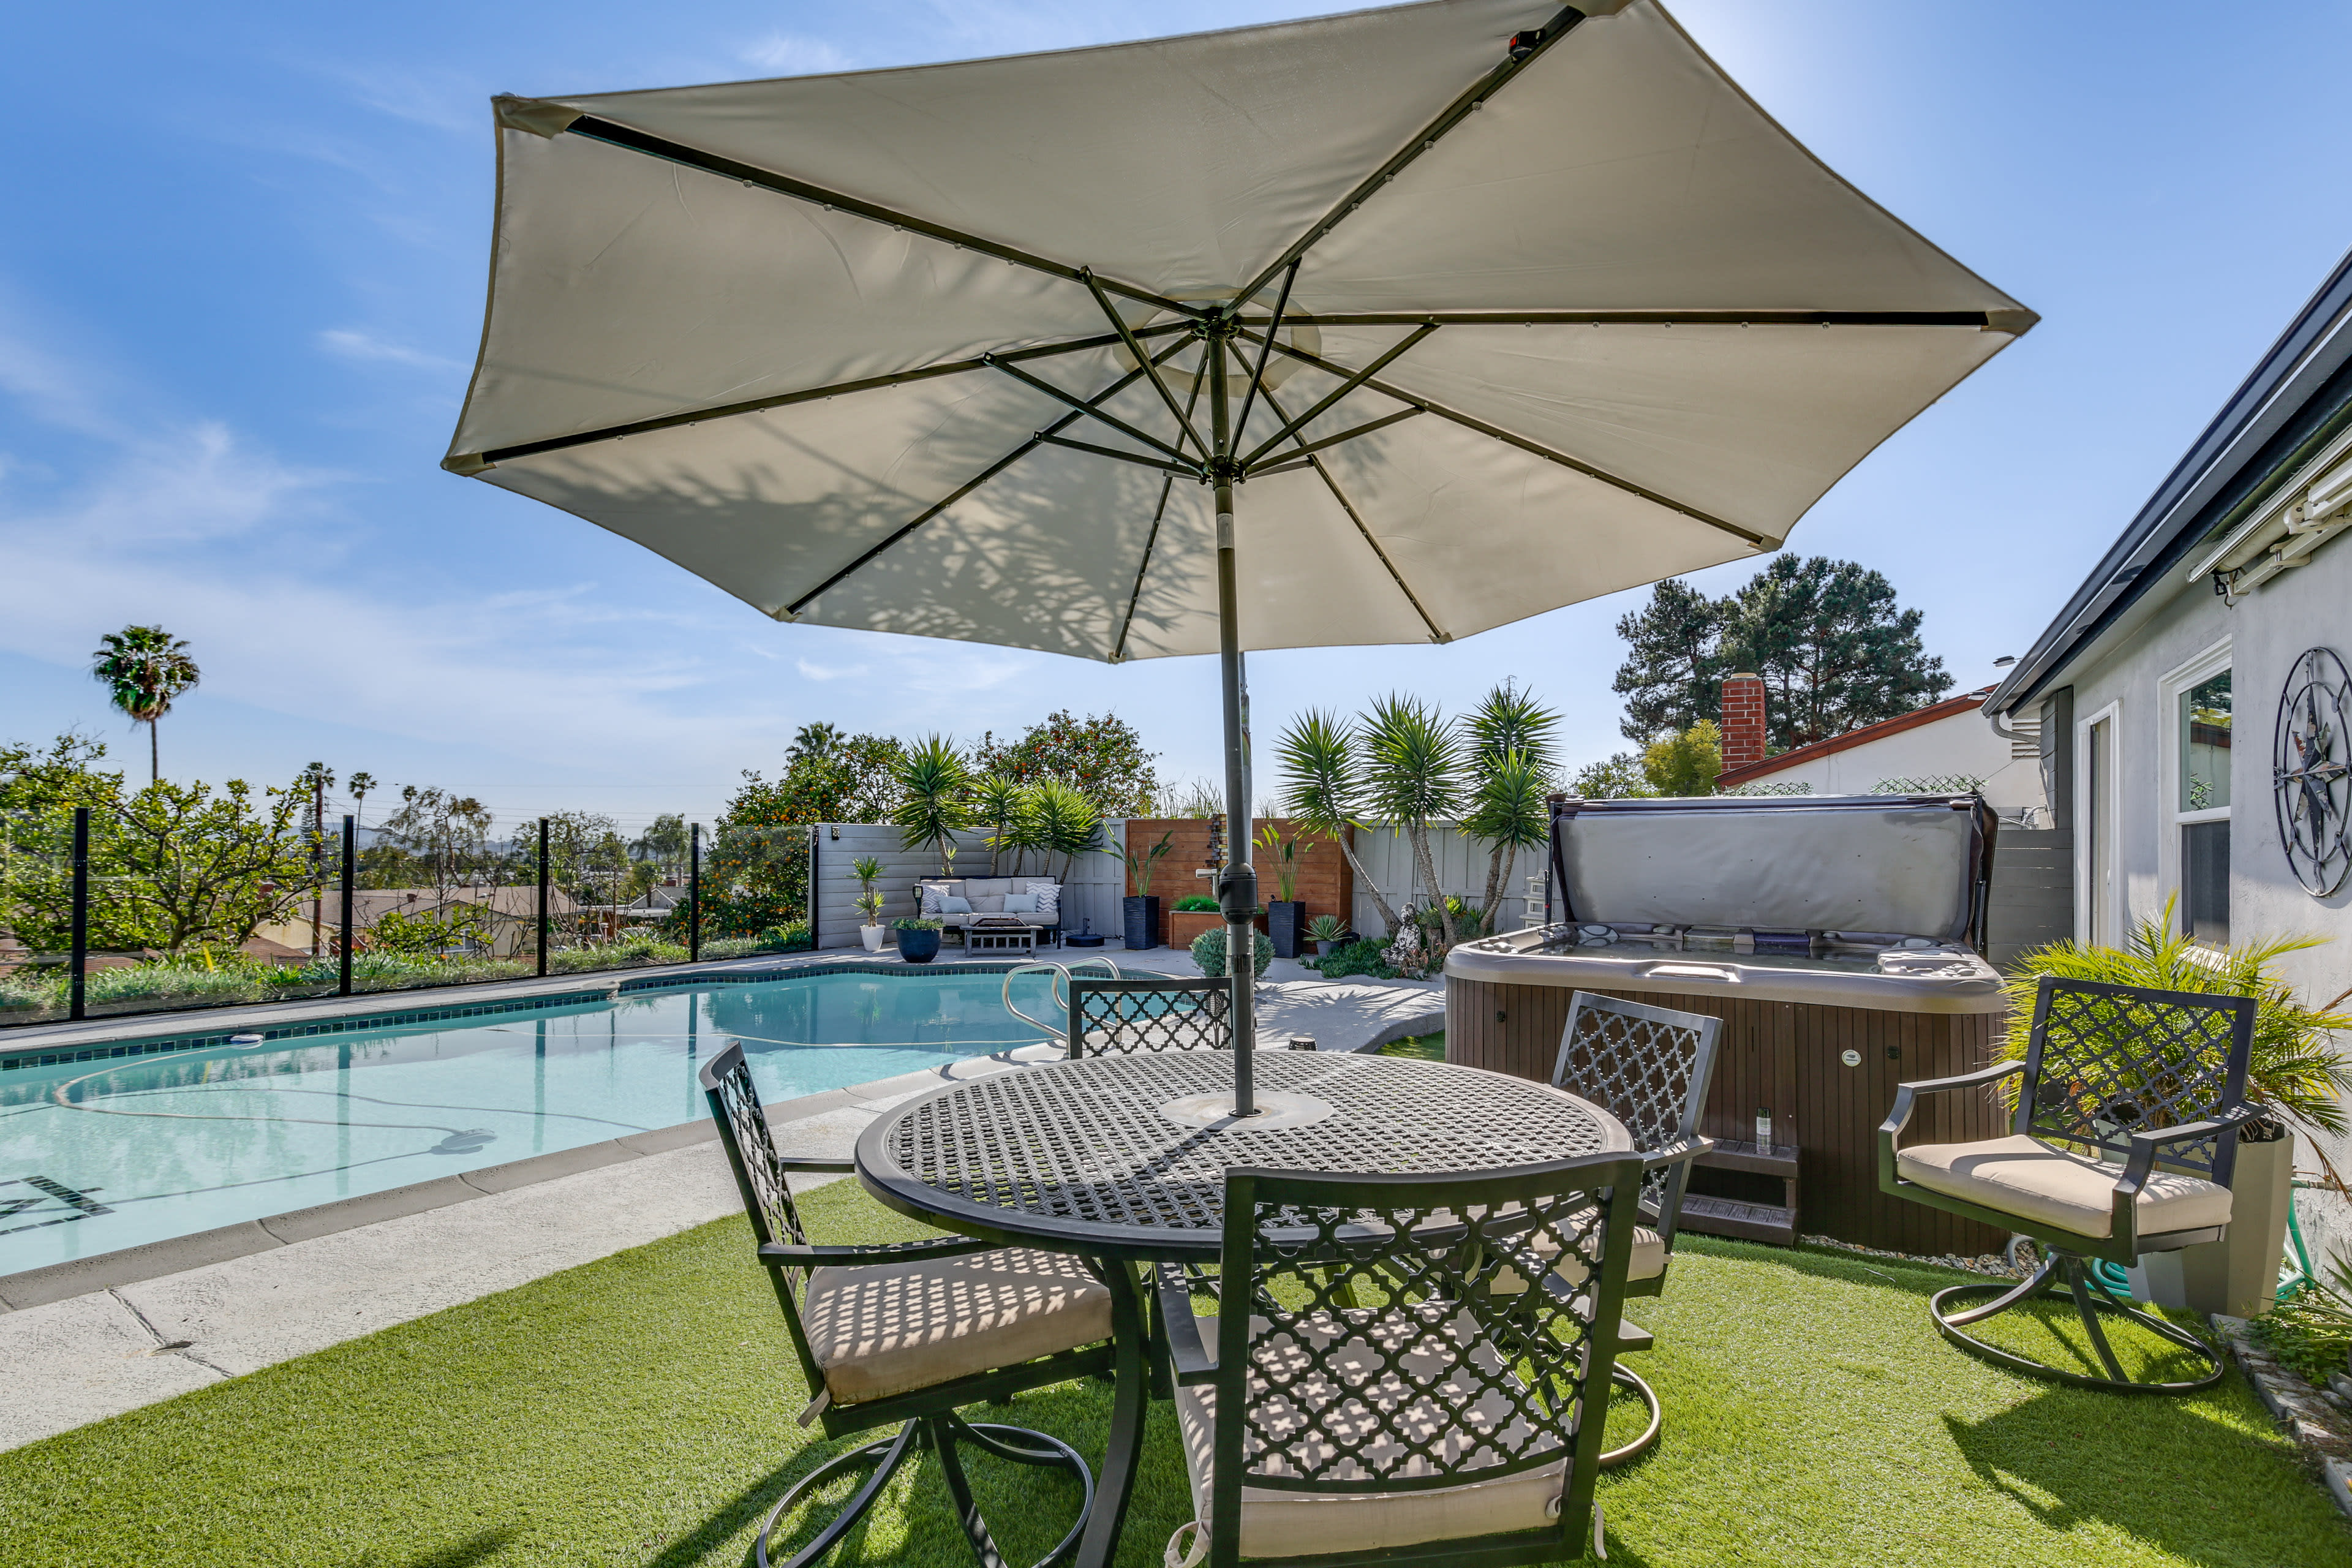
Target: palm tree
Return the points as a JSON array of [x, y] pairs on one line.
[[813, 742], [360, 784], [1319, 789], [144, 670], [1510, 738], [934, 784], [1412, 763]]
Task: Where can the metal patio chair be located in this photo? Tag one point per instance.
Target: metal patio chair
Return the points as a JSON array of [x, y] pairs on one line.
[[908, 1332], [1149, 1013], [1382, 1401], [2113, 1078], [1649, 1067]]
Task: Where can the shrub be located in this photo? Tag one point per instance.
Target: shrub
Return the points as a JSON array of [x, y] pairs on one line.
[[1361, 956], [1209, 952]]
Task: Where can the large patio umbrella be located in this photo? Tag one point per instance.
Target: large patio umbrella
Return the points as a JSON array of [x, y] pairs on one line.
[[1386, 327]]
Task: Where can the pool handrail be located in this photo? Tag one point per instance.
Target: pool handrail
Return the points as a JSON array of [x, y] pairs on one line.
[[1060, 986]]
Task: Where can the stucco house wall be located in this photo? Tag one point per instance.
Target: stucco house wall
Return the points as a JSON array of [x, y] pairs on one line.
[[1960, 742]]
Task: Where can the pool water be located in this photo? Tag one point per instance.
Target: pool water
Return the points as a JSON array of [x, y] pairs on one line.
[[96, 1156]]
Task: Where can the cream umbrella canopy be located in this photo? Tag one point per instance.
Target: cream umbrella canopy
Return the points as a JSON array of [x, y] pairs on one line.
[[1385, 327]]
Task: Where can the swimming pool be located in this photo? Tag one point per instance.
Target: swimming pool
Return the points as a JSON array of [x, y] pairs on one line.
[[97, 1155]]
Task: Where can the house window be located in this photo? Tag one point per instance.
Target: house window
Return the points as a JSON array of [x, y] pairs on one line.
[[2201, 806], [2096, 823]]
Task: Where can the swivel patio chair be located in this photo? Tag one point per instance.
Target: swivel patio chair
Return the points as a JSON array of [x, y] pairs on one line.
[[1149, 1013], [2113, 1078], [1382, 1401], [1650, 1068], [908, 1332]]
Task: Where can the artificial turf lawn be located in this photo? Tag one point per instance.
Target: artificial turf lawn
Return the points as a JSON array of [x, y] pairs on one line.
[[639, 1410]]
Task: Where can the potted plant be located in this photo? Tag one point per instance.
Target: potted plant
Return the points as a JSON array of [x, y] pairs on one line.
[[1139, 908], [1286, 916], [2295, 1077], [1192, 915], [868, 872], [918, 939], [1326, 931]]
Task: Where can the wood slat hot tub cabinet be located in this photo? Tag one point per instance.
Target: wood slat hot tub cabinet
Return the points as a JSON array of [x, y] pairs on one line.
[[1787, 1055]]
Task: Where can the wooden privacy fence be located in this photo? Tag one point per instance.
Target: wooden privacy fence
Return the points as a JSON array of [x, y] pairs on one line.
[[1091, 891], [1197, 848]]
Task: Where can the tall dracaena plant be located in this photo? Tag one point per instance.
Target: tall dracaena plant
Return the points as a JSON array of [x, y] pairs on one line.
[[995, 802], [1320, 789], [1068, 824], [934, 787], [1142, 867], [1506, 807], [1412, 772], [1508, 811]]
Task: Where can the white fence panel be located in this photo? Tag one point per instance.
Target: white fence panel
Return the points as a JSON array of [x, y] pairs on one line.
[[1461, 862], [1091, 891]]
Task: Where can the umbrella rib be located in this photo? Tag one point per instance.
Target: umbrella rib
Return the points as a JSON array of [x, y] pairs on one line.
[[1190, 470], [1306, 449], [1354, 380], [1453, 115], [1087, 407], [990, 472], [1151, 540], [614, 134], [1533, 448], [1977, 321], [785, 399], [1257, 372], [1332, 482], [1160, 384]]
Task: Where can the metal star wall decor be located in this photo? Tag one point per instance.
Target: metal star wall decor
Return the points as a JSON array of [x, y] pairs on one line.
[[2311, 771]]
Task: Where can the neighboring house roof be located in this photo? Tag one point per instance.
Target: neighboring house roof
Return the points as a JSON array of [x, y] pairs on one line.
[[1946, 709], [372, 904], [2297, 398]]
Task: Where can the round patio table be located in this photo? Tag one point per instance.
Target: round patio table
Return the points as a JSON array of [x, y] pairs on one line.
[[1107, 1157]]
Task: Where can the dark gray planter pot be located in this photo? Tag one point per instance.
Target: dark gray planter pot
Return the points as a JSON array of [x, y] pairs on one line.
[[918, 946], [1141, 916], [1284, 922]]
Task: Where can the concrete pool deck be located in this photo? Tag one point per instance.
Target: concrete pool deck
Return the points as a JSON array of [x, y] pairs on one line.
[[85, 1340]]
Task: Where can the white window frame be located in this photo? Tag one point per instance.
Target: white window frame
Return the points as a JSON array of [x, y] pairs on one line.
[[2104, 821], [2171, 686]]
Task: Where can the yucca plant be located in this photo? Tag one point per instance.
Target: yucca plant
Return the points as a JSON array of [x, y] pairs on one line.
[[934, 787], [867, 869], [1068, 823], [1142, 867], [1508, 811], [2294, 1070], [1411, 769], [1282, 856], [1316, 756], [995, 802]]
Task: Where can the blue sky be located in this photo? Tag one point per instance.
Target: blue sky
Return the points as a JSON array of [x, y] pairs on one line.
[[242, 283]]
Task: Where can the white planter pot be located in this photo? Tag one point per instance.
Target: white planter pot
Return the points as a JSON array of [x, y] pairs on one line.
[[2237, 1274], [872, 937]]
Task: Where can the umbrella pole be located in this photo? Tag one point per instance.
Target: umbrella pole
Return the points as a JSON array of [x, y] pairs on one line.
[[1238, 888]]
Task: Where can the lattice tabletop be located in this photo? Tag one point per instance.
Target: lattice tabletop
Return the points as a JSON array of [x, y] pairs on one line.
[[1077, 1155]]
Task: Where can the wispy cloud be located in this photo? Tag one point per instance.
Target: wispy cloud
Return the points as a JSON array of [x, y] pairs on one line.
[[347, 343], [791, 54]]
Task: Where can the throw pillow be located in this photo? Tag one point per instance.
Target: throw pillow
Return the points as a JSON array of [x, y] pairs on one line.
[[1020, 903], [934, 904], [1049, 898], [951, 905]]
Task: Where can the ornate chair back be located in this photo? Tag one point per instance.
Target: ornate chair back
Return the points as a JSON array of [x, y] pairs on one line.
[[1121, 1017], [1381, 1358], [1649, 1067], [760, 1177], [2105, 1061]]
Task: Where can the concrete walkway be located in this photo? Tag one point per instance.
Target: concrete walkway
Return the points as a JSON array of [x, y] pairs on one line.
[[147, 1337]]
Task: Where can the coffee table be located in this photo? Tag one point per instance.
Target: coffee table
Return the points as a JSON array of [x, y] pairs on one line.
[[1012, 937]]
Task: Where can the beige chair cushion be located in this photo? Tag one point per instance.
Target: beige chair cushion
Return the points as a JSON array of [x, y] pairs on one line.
[[1296, 1524], [1647, 1262], [893, 1328], [2039, 1182]]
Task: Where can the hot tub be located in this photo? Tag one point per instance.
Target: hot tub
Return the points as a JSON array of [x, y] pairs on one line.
[[1839, 940]]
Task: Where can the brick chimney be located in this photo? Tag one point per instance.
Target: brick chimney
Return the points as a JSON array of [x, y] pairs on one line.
[[1743, 721]]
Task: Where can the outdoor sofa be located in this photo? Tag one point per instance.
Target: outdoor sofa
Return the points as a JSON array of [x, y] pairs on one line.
[[987, 896]]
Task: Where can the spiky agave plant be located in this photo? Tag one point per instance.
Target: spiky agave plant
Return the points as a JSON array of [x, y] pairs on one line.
[[2293, 1069]]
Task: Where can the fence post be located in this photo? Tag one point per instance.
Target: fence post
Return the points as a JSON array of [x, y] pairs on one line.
[[543, 898], [344, 972], [694, 893], [74, 1008]]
